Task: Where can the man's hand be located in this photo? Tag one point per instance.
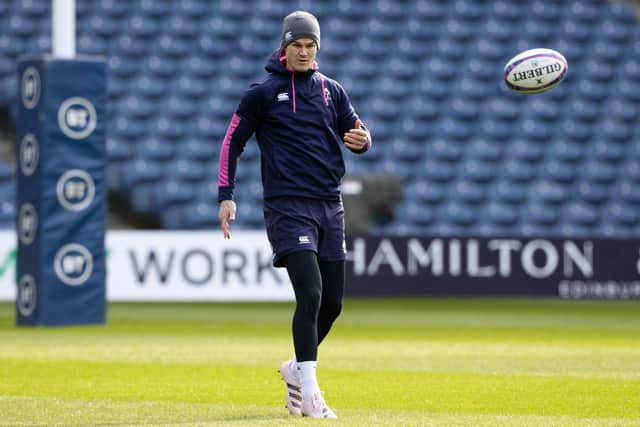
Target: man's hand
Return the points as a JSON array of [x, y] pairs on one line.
[[226, 213], [356, 139]]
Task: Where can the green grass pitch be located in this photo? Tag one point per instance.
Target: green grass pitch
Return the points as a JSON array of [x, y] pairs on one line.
[[397, 362]]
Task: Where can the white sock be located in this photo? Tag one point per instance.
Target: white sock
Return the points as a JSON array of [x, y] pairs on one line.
[[307, 376], [292, 365]]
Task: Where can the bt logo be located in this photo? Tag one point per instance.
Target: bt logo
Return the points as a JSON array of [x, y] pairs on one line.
[[29, 154], [26, 300], [30, 88], [75, 190], [27, 224], [73, 264], [77, 117]]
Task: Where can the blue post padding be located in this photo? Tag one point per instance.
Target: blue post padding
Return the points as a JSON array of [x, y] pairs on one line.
[[61, 199]]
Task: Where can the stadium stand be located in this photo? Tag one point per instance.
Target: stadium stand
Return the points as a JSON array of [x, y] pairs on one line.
[[424, 74]]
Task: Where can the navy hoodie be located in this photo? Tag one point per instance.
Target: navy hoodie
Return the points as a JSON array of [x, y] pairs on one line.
[[299, 120]]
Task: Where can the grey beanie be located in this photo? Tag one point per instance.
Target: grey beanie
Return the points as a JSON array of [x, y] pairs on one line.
[[298, 25]]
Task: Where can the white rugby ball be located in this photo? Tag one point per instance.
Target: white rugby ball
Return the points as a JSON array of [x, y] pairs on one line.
[[535, 70]]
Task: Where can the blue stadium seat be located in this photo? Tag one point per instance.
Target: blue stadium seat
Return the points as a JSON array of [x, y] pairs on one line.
[[442, 150], [506, 10], [458, 214], [142, 171], [157, 197], [526, 150], [583, 109], [428, 193], [117, 150], [613, 130], [512, 193], [609, 152], [130, 47], [608, 51], [7, 214], [584, 12], [580, 214], [417, 214], [5, 172], [113, 8], [485, 151], [559, 172], [141, 27], [593, 193], [203, 214], [433, 170], [565, 151], [628, 193], [496, 129], [599, 172], [478, 172], [500, 215], [538, 32], [518, 171], [469, 193], [540, 215], [550, 193], [622, 214]]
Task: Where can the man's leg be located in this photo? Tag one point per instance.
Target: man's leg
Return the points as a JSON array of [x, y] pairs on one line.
[[305, 276], [333, 278], [304, 273]]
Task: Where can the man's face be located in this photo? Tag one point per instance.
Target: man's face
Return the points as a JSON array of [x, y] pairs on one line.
[[301, 54]]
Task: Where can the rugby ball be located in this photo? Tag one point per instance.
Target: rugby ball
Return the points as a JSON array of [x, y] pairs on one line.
[[535, 70]]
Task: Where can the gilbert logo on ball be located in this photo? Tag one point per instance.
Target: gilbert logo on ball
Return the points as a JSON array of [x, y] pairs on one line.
[[535, 70]]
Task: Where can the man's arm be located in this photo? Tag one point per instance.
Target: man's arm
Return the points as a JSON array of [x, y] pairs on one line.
[[358, 139], [242, 125], [356, 136]]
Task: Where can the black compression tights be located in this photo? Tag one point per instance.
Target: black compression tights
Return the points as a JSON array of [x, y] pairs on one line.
[[319, 288]]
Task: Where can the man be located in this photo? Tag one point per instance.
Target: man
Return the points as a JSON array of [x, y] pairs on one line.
[[301, 119]]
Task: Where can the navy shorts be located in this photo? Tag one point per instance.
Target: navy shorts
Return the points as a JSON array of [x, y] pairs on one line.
[[299, 224]]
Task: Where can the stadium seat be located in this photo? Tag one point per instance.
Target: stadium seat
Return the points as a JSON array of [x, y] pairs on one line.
[[549, 193], [469, 193], [506, 192], [458, 214], [417, 214], [5, 172], [540, 215], [478, 172], [595, 194], [580, 214], [499, 215], [7, 213], [559, 172], [428, 193]]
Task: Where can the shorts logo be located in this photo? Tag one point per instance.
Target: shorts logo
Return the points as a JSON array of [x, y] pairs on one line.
[[29, 154], [27, 224], [77, 117], [284, 96], [30, 88], [75, 190], [304, 240], [26, 300], [73, 264]]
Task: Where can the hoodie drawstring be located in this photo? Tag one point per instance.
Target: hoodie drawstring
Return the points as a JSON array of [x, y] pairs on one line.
[[293, 90]]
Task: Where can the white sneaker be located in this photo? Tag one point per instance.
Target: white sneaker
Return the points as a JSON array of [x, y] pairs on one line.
[[315, 407], [294, 388]]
